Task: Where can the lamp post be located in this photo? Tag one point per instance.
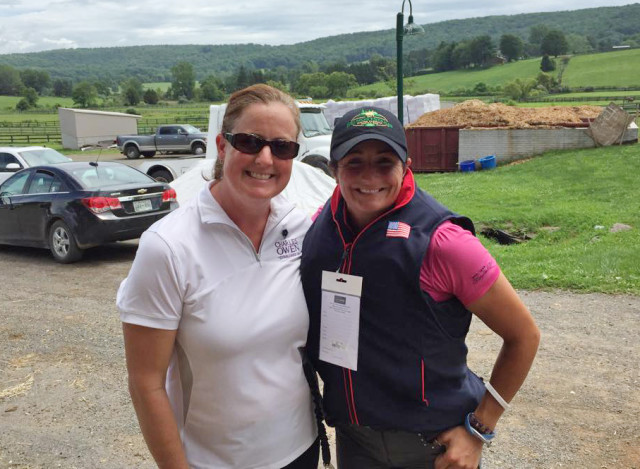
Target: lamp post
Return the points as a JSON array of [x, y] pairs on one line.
[[402, 30]]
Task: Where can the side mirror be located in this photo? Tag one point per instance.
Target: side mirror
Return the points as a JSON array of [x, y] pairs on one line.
[[182, 132], [5, 199], [13, 167]]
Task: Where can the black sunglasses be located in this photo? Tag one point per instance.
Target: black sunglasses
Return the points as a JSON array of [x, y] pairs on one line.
[[252, 144]]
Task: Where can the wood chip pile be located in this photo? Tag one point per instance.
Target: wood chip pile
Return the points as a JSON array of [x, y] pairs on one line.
[[475, 113]]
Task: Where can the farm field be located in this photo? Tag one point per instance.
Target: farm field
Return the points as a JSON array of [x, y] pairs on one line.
[[620, 68], [610, 69], [8, 103], [591, 94], [162, 85], [567, 201], [447, 82]]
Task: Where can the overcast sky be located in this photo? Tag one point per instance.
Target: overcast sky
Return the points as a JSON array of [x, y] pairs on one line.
[[35, 25]]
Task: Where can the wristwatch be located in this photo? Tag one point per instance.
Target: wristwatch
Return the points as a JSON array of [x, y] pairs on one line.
[[477, 429]]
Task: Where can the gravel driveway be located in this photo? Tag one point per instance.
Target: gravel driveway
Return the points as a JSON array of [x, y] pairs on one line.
[[64, 400]]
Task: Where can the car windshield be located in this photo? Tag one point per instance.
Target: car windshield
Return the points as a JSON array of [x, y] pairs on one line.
[[314, 123], [40, 156], [95, 177], [191, 129]]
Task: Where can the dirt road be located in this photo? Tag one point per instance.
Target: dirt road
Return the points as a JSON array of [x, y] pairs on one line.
[[63, 398]]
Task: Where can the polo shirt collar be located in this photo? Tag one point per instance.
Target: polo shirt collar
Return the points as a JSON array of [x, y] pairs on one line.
[[211, 212]]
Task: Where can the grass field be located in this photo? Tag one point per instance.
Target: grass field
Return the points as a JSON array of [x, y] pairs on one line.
[[620, 68], [162, 85], [591, 94], [8, 103], [447, 82], [563, 198]]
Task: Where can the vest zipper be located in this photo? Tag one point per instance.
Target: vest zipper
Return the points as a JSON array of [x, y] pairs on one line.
[[348, 387], [342, 266], [345, 268]]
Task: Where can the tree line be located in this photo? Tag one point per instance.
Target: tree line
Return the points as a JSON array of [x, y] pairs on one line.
[[332, 79], [588, 30]]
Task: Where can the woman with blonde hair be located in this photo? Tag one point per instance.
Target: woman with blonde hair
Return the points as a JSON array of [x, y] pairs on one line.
[[213, 310]]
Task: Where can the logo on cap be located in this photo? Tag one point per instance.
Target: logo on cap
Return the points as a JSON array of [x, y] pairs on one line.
[[369, 118]]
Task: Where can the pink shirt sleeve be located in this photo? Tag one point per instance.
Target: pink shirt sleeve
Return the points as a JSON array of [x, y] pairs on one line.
[[457, 264], [317, 214]]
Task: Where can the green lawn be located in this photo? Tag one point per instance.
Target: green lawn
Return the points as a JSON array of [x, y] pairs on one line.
[[591, 94], [619, 68], [562, 198], [447, 82], [8, 103], [162, 85]]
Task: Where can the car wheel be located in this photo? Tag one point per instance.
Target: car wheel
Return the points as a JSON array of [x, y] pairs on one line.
[[63, 244], [132, 152], [148, 154], [198, 149], [319, 162], [162, 175]]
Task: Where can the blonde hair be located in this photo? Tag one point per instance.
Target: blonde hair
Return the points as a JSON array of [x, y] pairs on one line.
[[242, 99]]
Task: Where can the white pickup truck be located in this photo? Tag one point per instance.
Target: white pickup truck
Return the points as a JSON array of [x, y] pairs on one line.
[[314, 140]]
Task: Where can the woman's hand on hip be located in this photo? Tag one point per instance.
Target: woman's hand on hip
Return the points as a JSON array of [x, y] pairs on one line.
[[463, 449]]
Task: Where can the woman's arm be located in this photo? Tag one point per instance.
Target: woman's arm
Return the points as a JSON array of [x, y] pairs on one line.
[[148, 352], [501, 309]]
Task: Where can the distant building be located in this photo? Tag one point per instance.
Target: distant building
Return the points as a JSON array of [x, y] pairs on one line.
[[82, 127], [498, 59], [621, 47]]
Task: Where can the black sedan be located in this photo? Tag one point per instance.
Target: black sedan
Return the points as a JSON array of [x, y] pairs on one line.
[[69, 207]]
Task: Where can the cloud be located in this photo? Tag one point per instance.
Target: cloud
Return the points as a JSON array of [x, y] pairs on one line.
[[62, 43], [33, 25]]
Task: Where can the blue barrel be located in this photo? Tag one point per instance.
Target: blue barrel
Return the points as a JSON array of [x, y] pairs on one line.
[[488, 162], [468, 165]]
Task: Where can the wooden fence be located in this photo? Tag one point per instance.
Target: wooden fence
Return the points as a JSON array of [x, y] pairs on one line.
[[31, 133], [29, 139]]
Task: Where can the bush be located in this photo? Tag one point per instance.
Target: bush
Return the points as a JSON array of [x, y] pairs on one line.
[[547, 64], [131, 111], [546, 81], [150, 96], [480, 88], [23, 105], [319, 92], [518, 89]]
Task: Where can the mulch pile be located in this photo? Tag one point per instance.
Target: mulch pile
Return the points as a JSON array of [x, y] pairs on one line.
[[475, 113]]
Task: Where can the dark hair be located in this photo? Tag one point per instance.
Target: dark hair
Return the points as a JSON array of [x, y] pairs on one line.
[[242, 99]]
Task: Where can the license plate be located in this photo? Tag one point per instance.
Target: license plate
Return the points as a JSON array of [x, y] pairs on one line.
[[142, 205]]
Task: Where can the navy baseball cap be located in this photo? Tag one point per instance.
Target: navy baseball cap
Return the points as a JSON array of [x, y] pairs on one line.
[[368, 123]]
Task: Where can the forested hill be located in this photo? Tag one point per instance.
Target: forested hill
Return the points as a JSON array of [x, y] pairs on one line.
[[605, 26]]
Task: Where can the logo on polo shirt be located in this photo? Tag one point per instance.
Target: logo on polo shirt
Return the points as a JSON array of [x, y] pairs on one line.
[[290, 247]]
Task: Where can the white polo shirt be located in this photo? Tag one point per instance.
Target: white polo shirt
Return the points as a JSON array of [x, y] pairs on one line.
[[235, 380]]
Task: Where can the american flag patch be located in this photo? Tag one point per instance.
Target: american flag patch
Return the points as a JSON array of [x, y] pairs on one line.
[[397, 229]]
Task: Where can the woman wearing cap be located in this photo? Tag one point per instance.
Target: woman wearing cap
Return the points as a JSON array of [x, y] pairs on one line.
[[213, 309], [392, 279]]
